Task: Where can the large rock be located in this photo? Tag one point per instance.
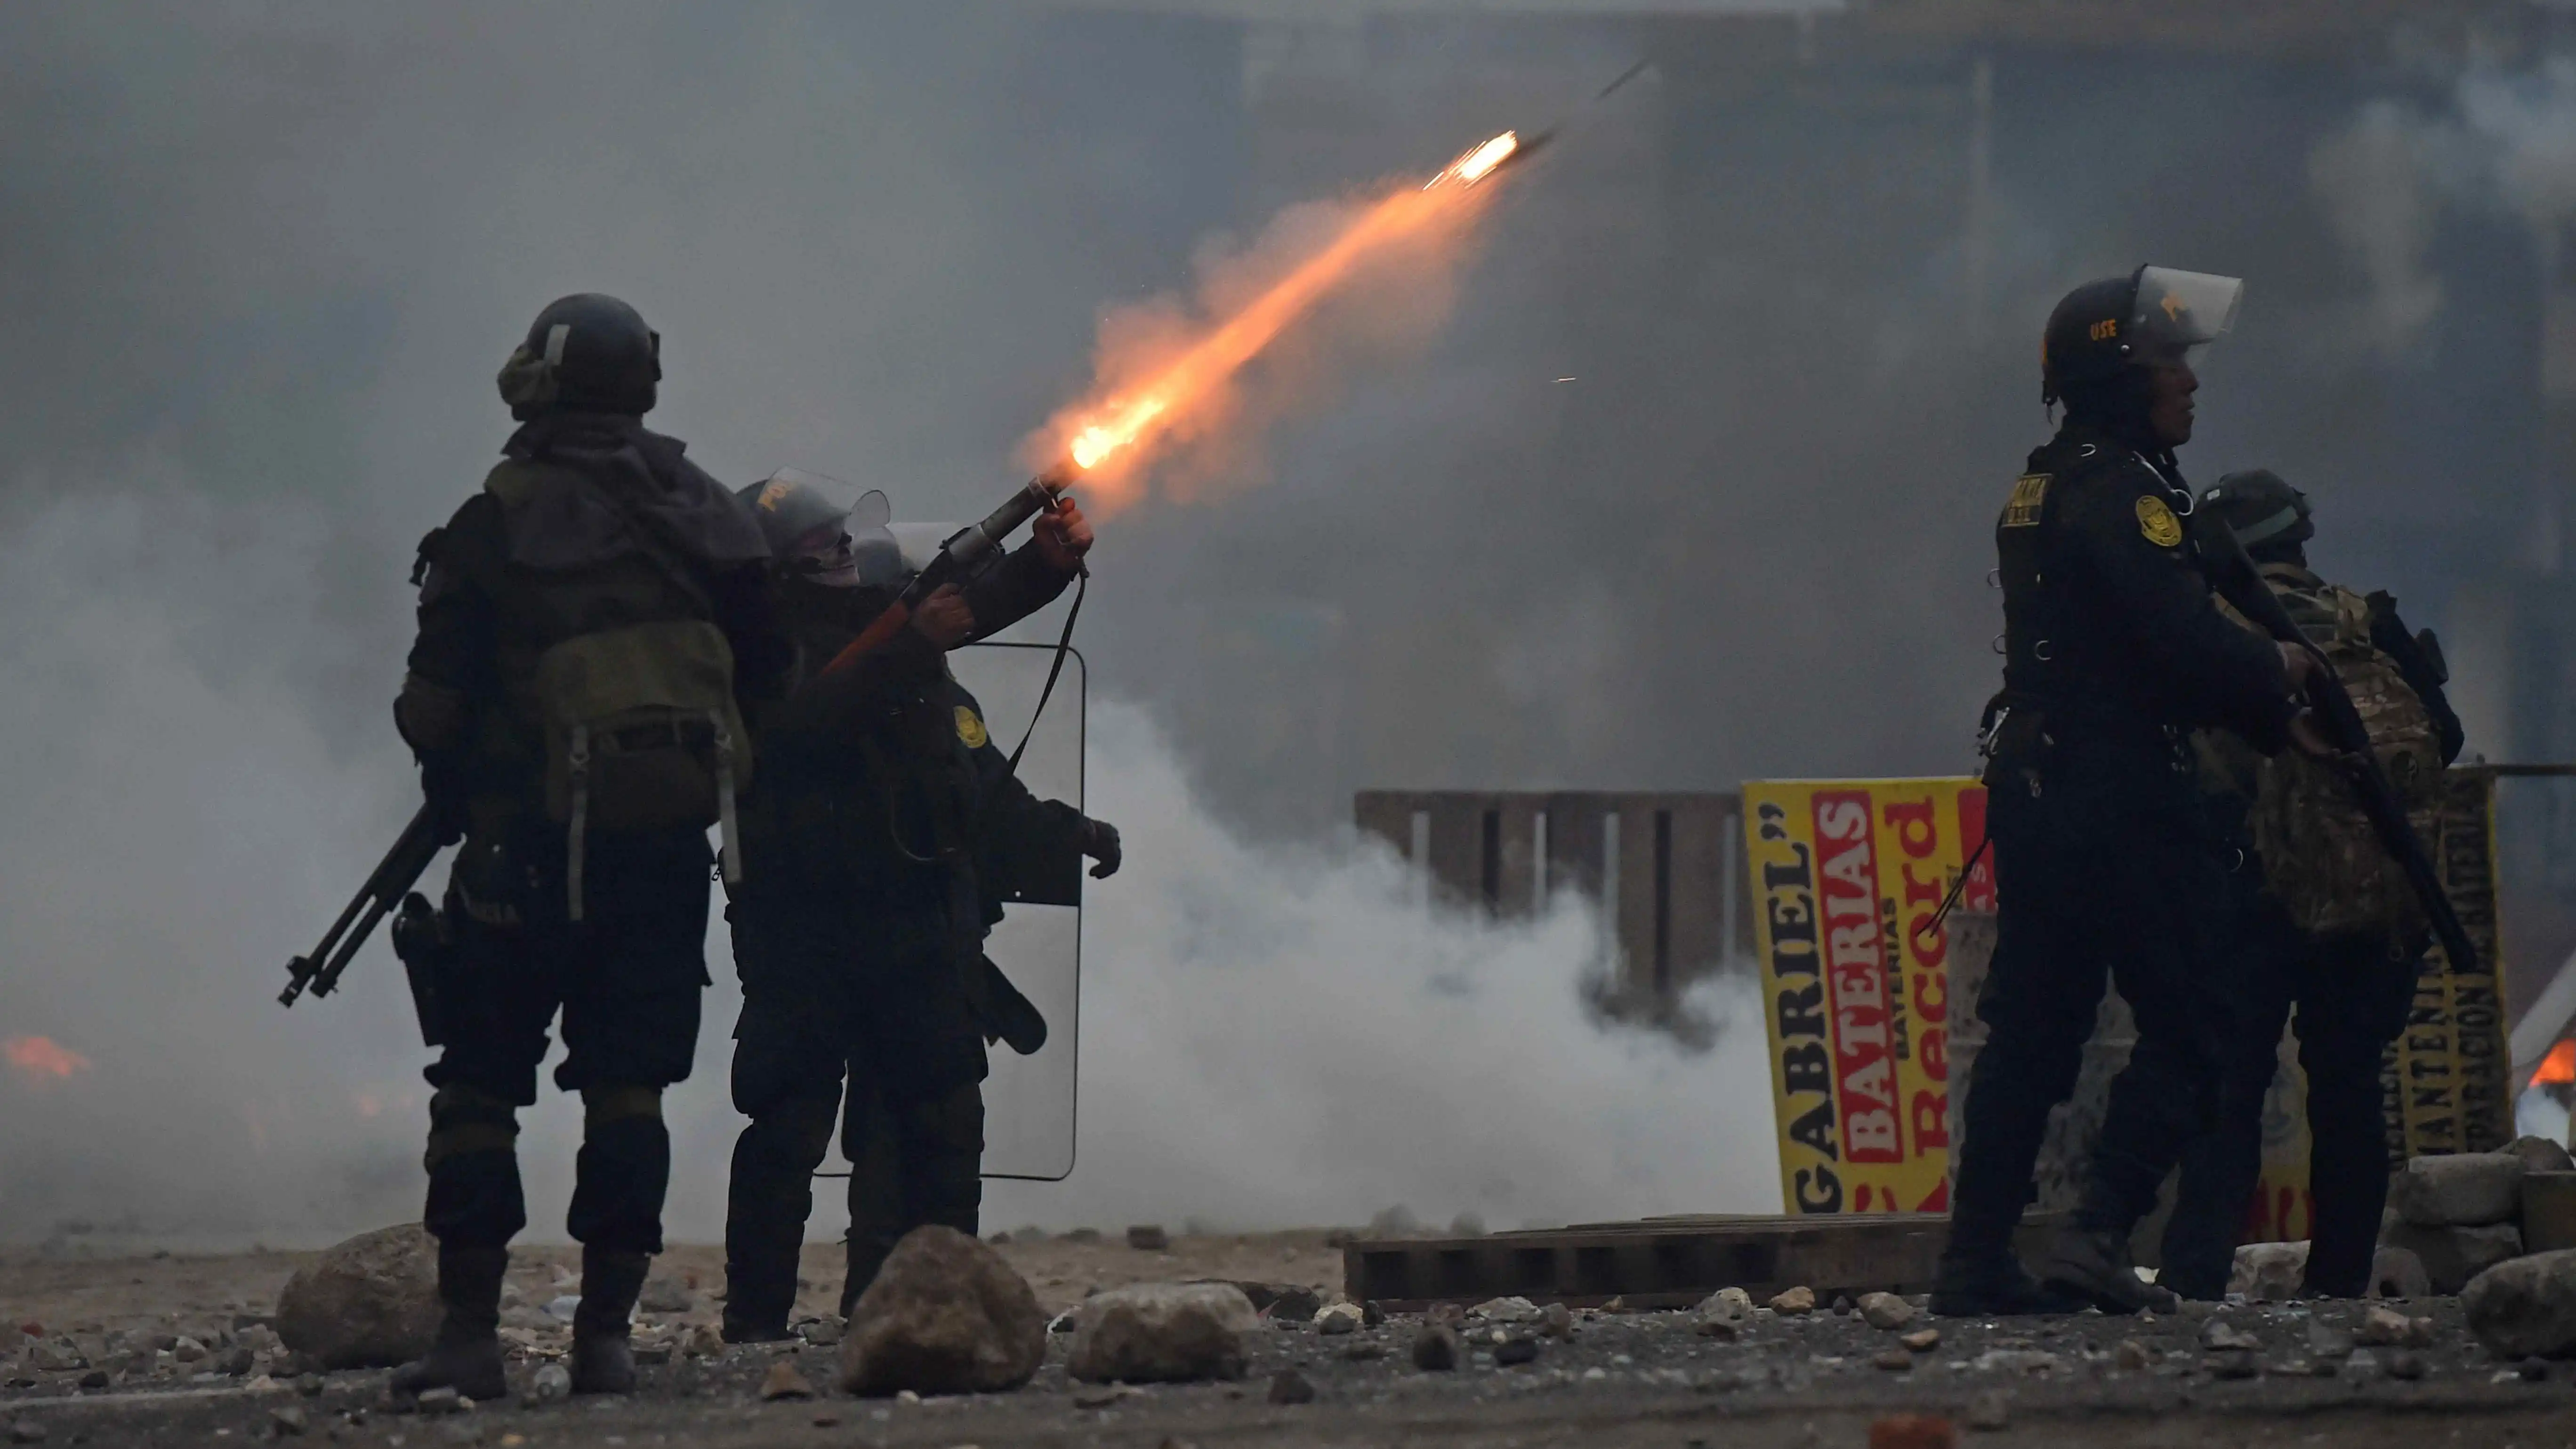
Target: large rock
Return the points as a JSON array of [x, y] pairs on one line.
[[945, 1316], [2457, 1190], [2525, 1308], [2269, 1272], [1164, 1331], [365, 1303], [2539, 1154], [2453, 1256]]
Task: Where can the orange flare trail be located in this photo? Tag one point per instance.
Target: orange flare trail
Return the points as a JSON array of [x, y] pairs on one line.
[[43, 1058], [1122, 422]]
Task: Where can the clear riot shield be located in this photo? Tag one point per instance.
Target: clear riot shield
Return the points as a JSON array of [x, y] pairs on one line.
[[1029, 1100]]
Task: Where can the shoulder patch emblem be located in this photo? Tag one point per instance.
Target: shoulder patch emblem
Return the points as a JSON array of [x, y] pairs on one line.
[[2029, 491], [970, 729], [2156, 520]]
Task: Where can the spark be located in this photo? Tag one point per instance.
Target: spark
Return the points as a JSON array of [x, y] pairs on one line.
[[43, 1059]]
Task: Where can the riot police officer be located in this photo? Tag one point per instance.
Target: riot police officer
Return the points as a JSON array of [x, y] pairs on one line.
[[2351, 985], [2114, 648], [861, 950], [593, 626]]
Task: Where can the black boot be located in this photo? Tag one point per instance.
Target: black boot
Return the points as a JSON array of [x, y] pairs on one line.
[[2093, 1264], [1994, 1286], [467, 1354], [602, 1361]]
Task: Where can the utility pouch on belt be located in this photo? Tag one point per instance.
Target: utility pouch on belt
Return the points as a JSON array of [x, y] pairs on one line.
[[641, 732], [426, 946]]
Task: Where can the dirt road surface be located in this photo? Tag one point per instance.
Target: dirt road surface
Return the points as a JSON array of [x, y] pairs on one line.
[[1647, 1379]]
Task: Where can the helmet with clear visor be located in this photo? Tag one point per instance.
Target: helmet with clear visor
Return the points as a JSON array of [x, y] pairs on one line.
[[2153, 316], [818, 539]]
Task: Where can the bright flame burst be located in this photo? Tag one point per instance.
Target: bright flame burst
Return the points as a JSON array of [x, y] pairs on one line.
[[1101, 431], [42, 1058]]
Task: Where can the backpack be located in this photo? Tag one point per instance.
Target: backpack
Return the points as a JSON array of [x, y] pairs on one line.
[[2321, 859], [629, 687]]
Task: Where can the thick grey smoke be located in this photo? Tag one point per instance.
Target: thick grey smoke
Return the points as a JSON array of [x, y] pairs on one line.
[[1694, 487]]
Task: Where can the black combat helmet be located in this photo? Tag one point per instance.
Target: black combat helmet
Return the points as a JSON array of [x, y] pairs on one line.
[[2267, 515], [2103, 329], [589, 352], [817, 539]]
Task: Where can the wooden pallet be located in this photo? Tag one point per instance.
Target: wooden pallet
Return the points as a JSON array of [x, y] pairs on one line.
[[1670, 1262]]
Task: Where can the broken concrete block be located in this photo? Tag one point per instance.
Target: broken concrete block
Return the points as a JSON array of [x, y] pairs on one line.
[[2458, 1190]]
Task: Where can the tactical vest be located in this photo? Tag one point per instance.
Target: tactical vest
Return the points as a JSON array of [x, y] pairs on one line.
[[2056, 662], [2321, 859], [616, 684]]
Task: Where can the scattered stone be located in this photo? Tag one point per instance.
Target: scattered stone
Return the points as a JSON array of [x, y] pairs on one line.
[[2268, 1272], [2131, 1356], [2235, 1363], [1101, 1396], [2452, 1256], [1340, 1318], [1886, 1312], [2327, 1341], [704, 1341], [26, 1431], [1842, 1305], [1989, 1412], [666, 1295], [59, 1354], [2539, 1154], [1921, 1340], [235, 1361], [552, 1384], [1435, 1348], [1789, 1303], [185, 1350], [2222, 1336], [1372, 1315], [820, 1332], [2397, 1273], [1506, 1310], [365, 1303], [1290, 1387], [1162, 1331], [1516, 1350], [286, 1423], [2406, 1364], [2525, 1308], [1148, 1238], [946, 1315], [2362, 1367], [2533, 1370], [784, 1382], [2387, 1328], [97, 1379], [1558, 1320], [563, 1307], [1911, 1431], [440, 1400], [311, 1386], [1893, 1359], [2459, 1189]]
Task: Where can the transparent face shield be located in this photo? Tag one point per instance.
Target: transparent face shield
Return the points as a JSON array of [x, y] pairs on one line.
[[2179, 312]]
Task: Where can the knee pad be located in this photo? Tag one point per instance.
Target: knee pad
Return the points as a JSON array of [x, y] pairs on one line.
[[464, 1120], [602, 1105]]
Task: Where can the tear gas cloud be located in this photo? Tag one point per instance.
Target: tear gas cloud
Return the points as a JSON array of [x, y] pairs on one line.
[[264, 261]]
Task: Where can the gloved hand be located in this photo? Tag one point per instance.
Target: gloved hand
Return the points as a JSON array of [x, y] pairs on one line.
[[1100, 842]]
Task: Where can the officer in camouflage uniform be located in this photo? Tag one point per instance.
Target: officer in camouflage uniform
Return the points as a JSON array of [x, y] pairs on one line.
[[2351, 987], [2114, 649], [881, 802], [596, 557]]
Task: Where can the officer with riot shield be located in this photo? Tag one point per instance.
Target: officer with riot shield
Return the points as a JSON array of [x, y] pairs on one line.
[[594, 627], [2319, 918], [2114, 648], [887, 820]]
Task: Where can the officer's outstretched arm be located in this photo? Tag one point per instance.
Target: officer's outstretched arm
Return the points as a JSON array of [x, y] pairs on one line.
[[1018, 586]]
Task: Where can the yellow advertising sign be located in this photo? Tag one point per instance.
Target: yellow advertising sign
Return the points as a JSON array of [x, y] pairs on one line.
[[1846, 875]]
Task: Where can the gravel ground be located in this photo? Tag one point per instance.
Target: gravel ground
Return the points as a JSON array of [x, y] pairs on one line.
[[1620, 1379]]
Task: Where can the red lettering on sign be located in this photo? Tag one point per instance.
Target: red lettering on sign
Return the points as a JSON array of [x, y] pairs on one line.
[[1855, 973], [1979, 893]]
